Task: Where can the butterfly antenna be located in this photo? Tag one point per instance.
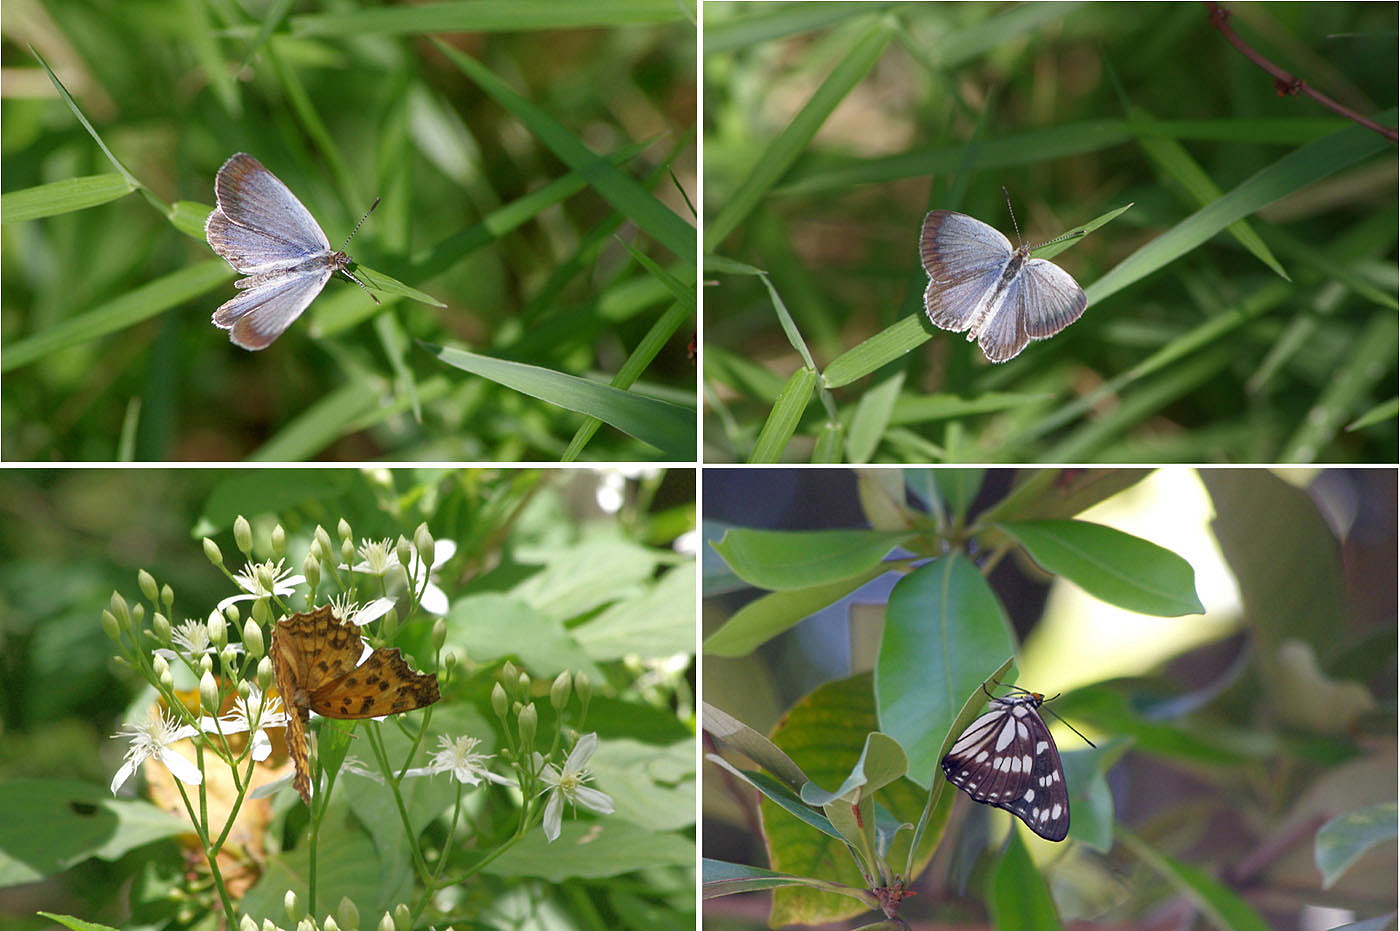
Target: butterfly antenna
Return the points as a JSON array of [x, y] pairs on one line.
[[1014, 224], [371, 210], [1073, 728], [346, 273]]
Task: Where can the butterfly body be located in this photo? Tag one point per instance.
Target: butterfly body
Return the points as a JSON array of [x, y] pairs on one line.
[[316, 662], [1007, 758]]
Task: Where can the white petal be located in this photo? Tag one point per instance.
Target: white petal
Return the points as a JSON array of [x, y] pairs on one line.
[[262, 747], [594, 800], [123, 774], [181, 768], [553, 815], [581, 752], [443, 550], [434, 600]]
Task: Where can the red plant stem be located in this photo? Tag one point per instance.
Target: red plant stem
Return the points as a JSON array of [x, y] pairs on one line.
[[1285, 82]]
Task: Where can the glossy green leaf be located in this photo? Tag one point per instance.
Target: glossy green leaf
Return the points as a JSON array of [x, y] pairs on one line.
[[1111, 565], [945, 632], [782, 559]]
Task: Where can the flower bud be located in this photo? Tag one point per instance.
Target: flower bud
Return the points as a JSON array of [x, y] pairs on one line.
[[160, 626], [423, 542], [167, 597], [404, 550], [253, 638], [211, 552], [343, 528], [500, 701], [439, 634], [266, 678], [509, 676], [110, 627], [243, 535], [311, 569], [347, 912], [522, 685], [289, 902], [322, 540], [148, 584], [159, 666], [218, 629], [403, 918], [386, 923], [279, 542], [559, 691], [167, 680], [330, 924], [347, 552], [246, 923], [528, 721], [584, 688], [206, 664], [209, 693], [118, 606]]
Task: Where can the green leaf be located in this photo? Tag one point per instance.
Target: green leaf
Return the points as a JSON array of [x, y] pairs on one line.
[[619, 190], [783, 418], [773, 161], [49, 825], [1020, 897], [66, 196], [945, 632], [1222, 906], [1111, 565], [1343, 840], [668, 427], [764, 618], [783, 559], [590, 849]]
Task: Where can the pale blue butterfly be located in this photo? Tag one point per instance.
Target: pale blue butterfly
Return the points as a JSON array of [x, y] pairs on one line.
[[1001, 296], [264, 232]]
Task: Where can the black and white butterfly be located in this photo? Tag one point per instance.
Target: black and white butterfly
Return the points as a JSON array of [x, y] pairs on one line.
[[1007, 758]]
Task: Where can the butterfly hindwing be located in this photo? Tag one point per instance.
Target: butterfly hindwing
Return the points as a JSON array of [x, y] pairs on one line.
[[1007, 758]]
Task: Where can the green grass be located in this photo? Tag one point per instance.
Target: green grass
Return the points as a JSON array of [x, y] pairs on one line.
[[1243, 309], [537, 163]]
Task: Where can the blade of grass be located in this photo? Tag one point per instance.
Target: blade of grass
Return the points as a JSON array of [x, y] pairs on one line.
[[783, 418], [623, 193], [668, 427], [779, 155]]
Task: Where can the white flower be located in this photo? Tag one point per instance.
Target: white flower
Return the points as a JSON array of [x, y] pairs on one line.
[[347, 610], [153, 739], [459, 757], [264, 713], [381, 558], [263, 580], [569, 786]]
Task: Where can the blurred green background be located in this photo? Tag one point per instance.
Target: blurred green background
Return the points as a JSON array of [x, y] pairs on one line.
[[537, 164], [830, 129]]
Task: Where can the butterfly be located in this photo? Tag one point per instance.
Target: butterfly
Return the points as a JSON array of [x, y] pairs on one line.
[[264, 232], [1000, 296], [1007, 759], [316, 662]]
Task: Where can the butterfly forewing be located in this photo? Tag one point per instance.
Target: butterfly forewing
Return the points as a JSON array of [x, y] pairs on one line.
[[1007, 758]]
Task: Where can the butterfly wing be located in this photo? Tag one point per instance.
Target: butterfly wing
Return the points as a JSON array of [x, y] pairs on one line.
[[259, 225], [383, 684], [1047, 298], [269, 305], [1007, 759], [964, 258]]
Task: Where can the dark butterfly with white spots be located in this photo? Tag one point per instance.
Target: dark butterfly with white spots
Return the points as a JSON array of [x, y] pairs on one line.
[[1007, 759]]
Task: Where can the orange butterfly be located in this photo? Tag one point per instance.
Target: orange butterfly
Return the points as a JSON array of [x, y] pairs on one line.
[[316, 661]]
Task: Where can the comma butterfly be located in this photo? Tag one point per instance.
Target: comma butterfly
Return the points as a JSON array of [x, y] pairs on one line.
[[316, 660]]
